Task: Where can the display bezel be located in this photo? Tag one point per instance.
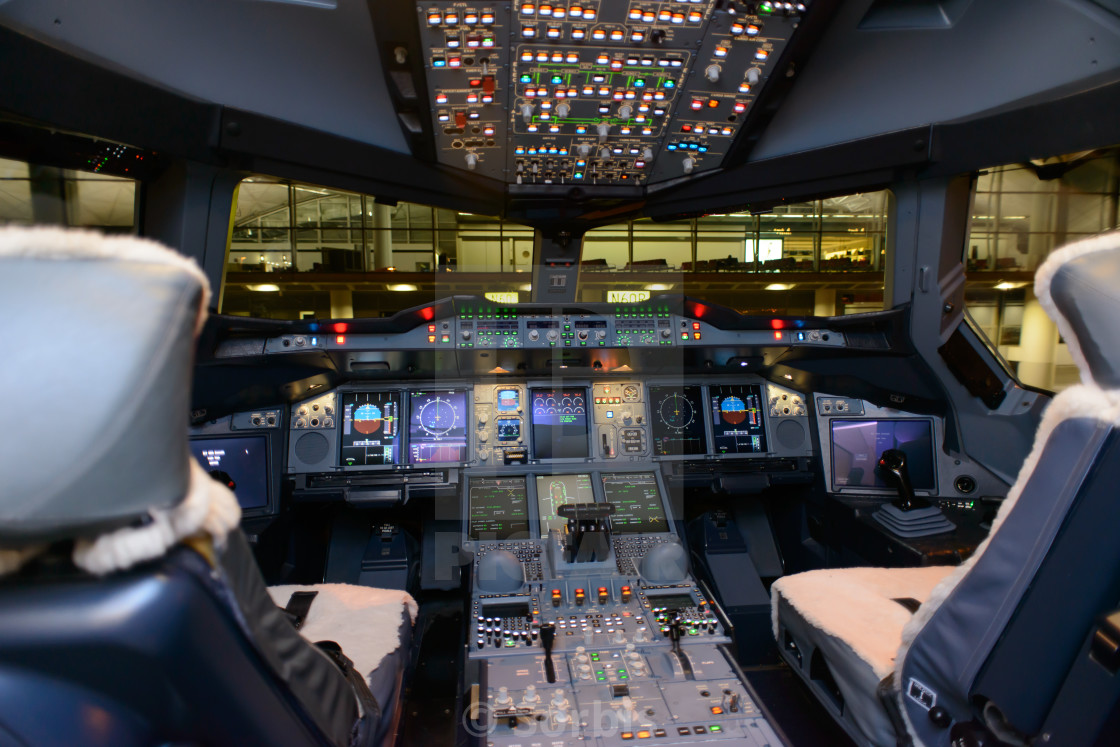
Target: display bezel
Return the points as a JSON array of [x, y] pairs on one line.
[[531, 390], [887, 489], [649, 389], [265, 441], [662, 494], [530, 501], [402, 439], [764, 413], [467, 431], [538, 476]]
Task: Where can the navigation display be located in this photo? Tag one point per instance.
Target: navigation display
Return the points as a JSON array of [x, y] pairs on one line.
[[678, 426], [637, 503], [737, 426], [437, 426], [370, 428], [554, 491], [559, 423], [858, 444], [498, 508], [240, 463]]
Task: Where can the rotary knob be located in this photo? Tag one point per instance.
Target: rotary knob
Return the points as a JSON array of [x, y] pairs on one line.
[[688, 164], [712, 73], [753, 76], [582, 334], [534, 335], [625, 111], [465, 334], [472, 161], [553, 334], [604, 129], [563, 109], [584, 150], [527, 112]]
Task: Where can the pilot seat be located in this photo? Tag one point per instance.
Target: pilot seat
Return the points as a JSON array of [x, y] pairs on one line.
[[1021, 643], [132, 610]]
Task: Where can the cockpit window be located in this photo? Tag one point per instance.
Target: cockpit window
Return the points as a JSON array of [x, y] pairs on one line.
[[301, 251], [45, 195], [824, 257], [1020, 213]]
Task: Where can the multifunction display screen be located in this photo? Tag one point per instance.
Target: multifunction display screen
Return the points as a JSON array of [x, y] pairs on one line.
[[239, 463], [678, 422], [637, 503], [370, 428], [499, 508], [737, 426], [554, 491], [858, 444], [559, 422], [437, 426]]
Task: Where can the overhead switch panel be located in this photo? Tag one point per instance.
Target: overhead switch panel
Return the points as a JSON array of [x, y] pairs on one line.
[[596, 92]]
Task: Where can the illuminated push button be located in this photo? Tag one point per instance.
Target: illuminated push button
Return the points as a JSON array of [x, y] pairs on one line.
[[603, 596], [626, 594], [580, 596], [557, 597]]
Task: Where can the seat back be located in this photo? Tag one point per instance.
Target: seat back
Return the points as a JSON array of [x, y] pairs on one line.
[[131, 608], [998, 637]]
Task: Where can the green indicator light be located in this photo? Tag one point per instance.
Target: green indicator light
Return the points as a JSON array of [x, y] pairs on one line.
[[716, 728], [623, 677], [602, 679]]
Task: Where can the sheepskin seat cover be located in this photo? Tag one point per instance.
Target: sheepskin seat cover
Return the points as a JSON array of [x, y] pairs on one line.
[[364, 621]]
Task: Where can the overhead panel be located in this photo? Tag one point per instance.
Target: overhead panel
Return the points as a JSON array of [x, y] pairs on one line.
[[596, 92]]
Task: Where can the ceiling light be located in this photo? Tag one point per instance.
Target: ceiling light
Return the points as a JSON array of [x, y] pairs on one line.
[[779, 286], [658, 287], [1006, 286], [526, 287], [265, 287], [402, 287]]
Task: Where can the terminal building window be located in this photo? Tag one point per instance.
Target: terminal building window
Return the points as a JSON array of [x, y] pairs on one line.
[[1020, 213]]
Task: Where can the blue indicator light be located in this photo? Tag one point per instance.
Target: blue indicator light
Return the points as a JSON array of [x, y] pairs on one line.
[[557, 79], [610, 413], [526, 79], [670, 84], [693, 146], [439, 63], [639, 83], [314, 341], [703, 149], [671, 146], [578, 175]]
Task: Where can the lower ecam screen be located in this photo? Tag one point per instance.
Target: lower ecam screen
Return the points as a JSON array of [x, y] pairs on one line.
[[554, 491], [559, 422], [858, 444], [637, 503], [370, 428], [239, 463], [437, 426], [498, 508]]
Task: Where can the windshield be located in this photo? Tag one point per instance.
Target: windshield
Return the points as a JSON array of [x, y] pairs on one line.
[[300, 251]]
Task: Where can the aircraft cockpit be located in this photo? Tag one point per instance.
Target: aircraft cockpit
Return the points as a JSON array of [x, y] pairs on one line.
[[541, 374]]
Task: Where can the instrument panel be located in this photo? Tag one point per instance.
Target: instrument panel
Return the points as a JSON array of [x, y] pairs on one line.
[[530, 422]]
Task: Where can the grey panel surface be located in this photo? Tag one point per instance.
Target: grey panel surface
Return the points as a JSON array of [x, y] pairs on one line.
[[860, 83], [108, 369], [314, 66]]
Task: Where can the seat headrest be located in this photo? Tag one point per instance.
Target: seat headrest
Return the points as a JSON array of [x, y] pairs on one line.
[[95, 384], [1079, 286]]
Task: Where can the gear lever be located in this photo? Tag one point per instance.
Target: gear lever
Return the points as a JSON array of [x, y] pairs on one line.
[[548, 637], [892, 466]]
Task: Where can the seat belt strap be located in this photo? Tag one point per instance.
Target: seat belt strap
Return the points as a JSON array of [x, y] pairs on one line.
[[357, 680], [299, 604]]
